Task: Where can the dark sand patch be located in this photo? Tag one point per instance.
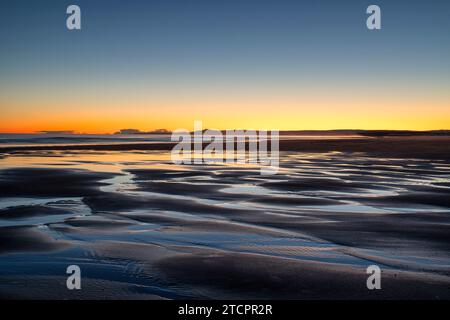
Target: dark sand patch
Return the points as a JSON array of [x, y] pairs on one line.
[[203, 191], [373, 231], [409, 200], [33, 287], [92, 225], [431, 188], [154, 218], [21, 212], [184, 225], [113, 202], [97, 223], [297, 201], [163, 174], [227, 174], [28, 239], [318, 184], [50, 182], [142, 252], [233, 275], [396, 262], [443, 184], [393, 166]]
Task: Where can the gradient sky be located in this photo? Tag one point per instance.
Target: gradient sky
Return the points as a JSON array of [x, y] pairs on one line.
[[272, 64]]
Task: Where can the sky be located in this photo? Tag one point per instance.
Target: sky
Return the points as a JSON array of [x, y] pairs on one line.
[[259, 64]]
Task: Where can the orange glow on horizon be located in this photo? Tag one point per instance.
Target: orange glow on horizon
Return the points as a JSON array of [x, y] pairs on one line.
[[110, 114]]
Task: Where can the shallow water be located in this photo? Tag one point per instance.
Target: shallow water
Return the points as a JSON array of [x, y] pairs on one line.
[[142, 227]]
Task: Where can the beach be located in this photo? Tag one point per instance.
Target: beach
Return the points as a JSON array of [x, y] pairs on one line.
[[141, 227]]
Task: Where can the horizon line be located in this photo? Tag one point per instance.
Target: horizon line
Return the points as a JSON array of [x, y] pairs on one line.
[[155, 132]]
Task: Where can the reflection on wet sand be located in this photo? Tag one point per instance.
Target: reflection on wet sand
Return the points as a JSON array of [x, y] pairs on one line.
[[141, 227]]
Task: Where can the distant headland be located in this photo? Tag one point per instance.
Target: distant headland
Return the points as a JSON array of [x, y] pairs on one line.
[[136, 131]]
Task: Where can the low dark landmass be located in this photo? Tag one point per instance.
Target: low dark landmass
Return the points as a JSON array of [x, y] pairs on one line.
[[403, 133], [338, 132], [137, 131]]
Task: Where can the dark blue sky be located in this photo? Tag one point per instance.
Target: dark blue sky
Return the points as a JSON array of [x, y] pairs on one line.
[[211, 44], [235, 35]]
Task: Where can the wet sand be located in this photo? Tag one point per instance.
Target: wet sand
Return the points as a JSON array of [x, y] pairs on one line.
[[142, 228]]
